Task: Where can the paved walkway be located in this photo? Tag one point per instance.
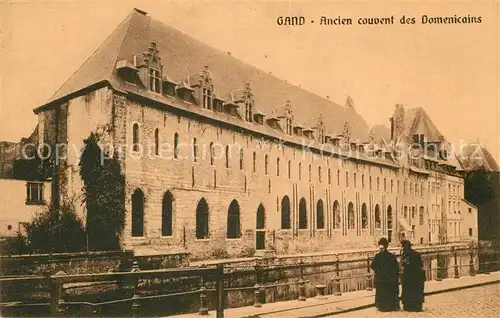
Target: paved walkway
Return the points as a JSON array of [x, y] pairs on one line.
[[334, 305]]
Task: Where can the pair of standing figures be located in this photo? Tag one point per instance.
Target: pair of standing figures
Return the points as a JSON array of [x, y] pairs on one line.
[[386, 268]]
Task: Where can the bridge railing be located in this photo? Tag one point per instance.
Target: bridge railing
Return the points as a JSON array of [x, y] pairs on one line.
[[306, 279]]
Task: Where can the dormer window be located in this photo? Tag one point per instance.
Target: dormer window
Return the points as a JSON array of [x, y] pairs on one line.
[[248, 111], [289, 126], [154, 80], [207, 98], [321, 135]]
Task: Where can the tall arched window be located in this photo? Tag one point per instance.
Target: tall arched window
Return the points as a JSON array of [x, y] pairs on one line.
[[176, 145], [241, 159], [266, 163], [212, 153], [135, 137], [157, 141], [278, 167], [138, 213], [166, 215], [195, 150], [233, 220], [378, 220], [227, 156], [350, 216], [289, 169], [389, 217], [336, 215], [364, 217], [261, 218], [320, 216], [285, 213], [202, 220], [421, 215], [302, 214]]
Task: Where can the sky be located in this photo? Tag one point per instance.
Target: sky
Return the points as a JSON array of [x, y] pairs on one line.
[[451, 70]]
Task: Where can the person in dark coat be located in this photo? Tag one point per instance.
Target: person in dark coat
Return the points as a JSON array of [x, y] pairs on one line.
[[412, 279], [386, 268]]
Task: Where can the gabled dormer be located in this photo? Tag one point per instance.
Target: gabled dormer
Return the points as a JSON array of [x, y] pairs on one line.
[[203, 89], [320, 129], [248, 103], [169, 86], [150, 68], [184, 91], [346, 136], [259, 116]]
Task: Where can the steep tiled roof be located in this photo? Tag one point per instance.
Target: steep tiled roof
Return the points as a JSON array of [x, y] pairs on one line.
[[183, 55], [417, 122], [476, 157]]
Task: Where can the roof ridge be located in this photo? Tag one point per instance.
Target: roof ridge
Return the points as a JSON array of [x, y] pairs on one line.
[[90, 57]]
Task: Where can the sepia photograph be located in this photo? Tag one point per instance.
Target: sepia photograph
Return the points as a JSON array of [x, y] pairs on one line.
[[249, 159]]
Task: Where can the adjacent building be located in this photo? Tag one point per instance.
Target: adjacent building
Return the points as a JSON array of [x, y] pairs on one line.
[[222, 159]]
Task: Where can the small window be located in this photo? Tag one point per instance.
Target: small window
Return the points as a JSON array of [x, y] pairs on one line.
[[154, 80], [319, 174], [300, 171], [135, 137], [289, 169], [34, 193], [354, 180], [338, 177], [470, 231], [176, 145], [278, 167], [227, 156], [310, 172], [248, 111], [378, 184], [207, 98], [347, 179], [241, 159], [157, 141], [212, 153], [254, 162], [470, 210], [266, 161], [195, 150], [329, 176]]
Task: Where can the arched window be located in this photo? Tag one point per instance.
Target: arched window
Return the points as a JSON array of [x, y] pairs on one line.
[[350, 216], [241, 159], [389, 217], [329, 176], [364, 217], [157, 141], [285, 213], [135, 137], [212, 153], [319, 174], [266, 161], [320, 216], [289, 169], [254, 162], [202, 220], [227, 156], [302, 214], [278, 167], [233, 220], [336, 215], [261, 218], [176, 145], [300, 171], [195, 150], [378, 220], [138, 213], [166, 215], [421, 215]]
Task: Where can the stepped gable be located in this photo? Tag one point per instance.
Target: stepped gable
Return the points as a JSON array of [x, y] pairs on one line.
[[183, 55]]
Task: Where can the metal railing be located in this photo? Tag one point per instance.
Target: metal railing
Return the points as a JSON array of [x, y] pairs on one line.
[[335, 274]]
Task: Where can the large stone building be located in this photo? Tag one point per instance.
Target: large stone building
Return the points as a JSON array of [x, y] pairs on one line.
[[221, 158]]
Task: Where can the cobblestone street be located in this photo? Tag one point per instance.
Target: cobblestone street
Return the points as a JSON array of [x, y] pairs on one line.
[[474, 302]]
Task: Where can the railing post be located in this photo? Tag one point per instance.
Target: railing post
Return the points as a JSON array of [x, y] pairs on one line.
[[368, 275], [56, 301], [336, 285], [257, 287], [302, 282], [203, 296], [438, 269], [454, 251], [135, 297], [471, 262], [220, 291], [256, 296]]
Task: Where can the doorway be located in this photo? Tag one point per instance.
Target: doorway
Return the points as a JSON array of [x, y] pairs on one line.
[[260, 231]]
